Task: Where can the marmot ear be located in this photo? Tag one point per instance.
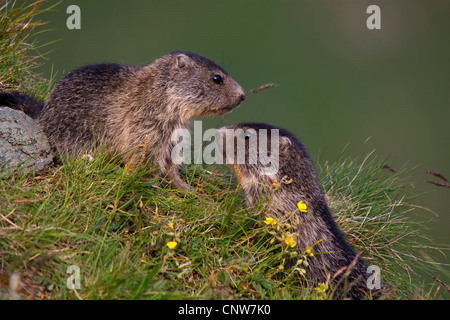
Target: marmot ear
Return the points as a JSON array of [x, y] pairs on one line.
[[182, 61], [285, 143]]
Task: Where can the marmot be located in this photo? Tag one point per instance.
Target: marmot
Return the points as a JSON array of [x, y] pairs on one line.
[[296, 181], [122, 107]]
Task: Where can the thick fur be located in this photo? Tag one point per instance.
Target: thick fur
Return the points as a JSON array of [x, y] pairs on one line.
[[118, 106], [339, 261]]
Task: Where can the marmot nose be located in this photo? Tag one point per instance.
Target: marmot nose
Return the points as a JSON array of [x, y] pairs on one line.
[[242, 97]]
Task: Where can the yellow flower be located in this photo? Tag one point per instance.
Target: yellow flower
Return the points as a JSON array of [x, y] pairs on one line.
[[270, 220], [274, 184], [281, 267], [301, 206], [290, 241], [308, 251], [172, 244], [321, 288], [170, 225]]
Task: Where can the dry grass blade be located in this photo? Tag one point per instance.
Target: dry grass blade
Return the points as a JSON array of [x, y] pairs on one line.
[[442, 283], [437, 174], [439, 184], [260, 88]]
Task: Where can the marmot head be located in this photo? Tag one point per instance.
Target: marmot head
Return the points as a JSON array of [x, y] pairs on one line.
[[265, 158], [262, 153], [198, 86]]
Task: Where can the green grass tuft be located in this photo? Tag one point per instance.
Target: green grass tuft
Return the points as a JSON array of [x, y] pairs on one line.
[[20, 54], [115, 225], [379, 212]]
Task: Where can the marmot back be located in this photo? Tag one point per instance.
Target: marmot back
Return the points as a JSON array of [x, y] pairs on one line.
[[76, 114], [296, 181], [123, 107]]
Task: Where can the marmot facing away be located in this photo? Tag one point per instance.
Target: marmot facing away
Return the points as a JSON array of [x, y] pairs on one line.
[[122, 107], [296, 181]]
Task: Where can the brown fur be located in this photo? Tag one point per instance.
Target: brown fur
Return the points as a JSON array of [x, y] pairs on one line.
[[316, 228]]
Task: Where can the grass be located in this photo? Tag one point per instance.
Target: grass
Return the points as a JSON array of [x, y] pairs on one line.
[[380, 213], [114, 224]]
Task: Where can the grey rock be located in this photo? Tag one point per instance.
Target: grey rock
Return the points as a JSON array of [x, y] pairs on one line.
[[23, 144]]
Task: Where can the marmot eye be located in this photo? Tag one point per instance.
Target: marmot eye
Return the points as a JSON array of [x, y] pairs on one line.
[[217, 79]]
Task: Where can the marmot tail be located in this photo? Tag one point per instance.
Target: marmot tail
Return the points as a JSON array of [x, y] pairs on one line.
[[19, 101]]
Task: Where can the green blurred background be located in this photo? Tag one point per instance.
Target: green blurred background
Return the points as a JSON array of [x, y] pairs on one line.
[[339, 83]]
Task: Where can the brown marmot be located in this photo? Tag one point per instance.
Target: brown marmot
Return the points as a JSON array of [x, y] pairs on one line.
[[122, 107], [295, 181]]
